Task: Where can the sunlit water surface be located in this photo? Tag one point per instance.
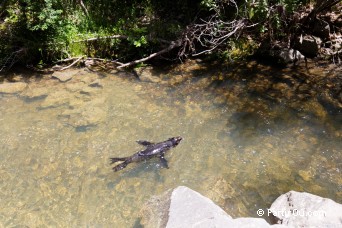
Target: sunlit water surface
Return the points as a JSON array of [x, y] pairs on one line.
[[56, 139]]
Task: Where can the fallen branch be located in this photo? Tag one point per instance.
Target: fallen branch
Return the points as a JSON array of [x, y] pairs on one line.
[[67, 60], [105, 60], [173, 45], [122, 37], [102, 38], [84, 8], [64, 68]]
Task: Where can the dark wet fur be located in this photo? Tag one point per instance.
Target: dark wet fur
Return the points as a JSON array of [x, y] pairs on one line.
[[113, 160], [152, 150], [120, 166]]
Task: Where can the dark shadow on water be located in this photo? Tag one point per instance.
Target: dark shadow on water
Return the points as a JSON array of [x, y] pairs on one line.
[[33, 99], [137, 224], [82, 128], [267, 92], [85, 128]]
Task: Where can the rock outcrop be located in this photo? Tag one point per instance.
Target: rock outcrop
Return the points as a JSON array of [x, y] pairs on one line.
[[301, 209], [183, 207], [189, 208]]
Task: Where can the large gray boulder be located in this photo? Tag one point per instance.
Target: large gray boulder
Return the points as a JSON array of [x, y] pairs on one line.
[[183, 207], [189, 208], [300, 209]]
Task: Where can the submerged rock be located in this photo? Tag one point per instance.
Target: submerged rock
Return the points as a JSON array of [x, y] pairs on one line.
[[155, 211], [56, 99], [301, 209], [15, 87], [333, 106], [220, 190], [86, 116], [146, 74], [305, 175], [35, 93], [96, 83], [64, 76]]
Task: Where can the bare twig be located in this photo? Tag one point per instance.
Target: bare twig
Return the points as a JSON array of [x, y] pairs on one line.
[[85, 10], [67, 60], [102, 38], [12, 59], [105, 60], [121, 37], [77, 60], [169, 48], [209, 34]]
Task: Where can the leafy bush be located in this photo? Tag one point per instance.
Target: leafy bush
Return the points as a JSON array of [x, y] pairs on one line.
[[42, 31]]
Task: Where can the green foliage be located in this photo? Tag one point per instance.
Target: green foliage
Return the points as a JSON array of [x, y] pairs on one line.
[[141, 41], [43, 15], [53, 29], [208, 4], [42, 31], [238, 50], [271, 15]]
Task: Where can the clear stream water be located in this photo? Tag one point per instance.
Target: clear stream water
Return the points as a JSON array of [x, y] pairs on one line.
[[239, 149]]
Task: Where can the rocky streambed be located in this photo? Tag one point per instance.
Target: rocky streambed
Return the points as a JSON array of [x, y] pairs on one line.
[[244, 128]]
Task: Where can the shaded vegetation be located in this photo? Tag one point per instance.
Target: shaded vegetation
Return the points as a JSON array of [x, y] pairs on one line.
[[39, 32]]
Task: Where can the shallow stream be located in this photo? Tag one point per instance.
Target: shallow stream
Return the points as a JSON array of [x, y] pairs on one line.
[[239, 149]]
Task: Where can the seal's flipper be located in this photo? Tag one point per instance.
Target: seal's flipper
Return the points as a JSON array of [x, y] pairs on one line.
[[120, 166], [145, 143], [164, 161], [113, 160]]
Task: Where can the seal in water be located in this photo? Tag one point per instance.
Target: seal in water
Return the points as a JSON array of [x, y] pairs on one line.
[[152, 150]]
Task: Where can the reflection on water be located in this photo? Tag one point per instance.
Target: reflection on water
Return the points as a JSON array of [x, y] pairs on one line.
[[241, 150]]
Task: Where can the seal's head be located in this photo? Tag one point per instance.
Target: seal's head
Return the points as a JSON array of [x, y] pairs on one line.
[[176, 140]]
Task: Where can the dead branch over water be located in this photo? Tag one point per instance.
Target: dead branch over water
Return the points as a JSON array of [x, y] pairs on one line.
[[209, 34]]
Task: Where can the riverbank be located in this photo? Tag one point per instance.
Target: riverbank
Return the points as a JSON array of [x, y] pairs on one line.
[[183, 207]]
